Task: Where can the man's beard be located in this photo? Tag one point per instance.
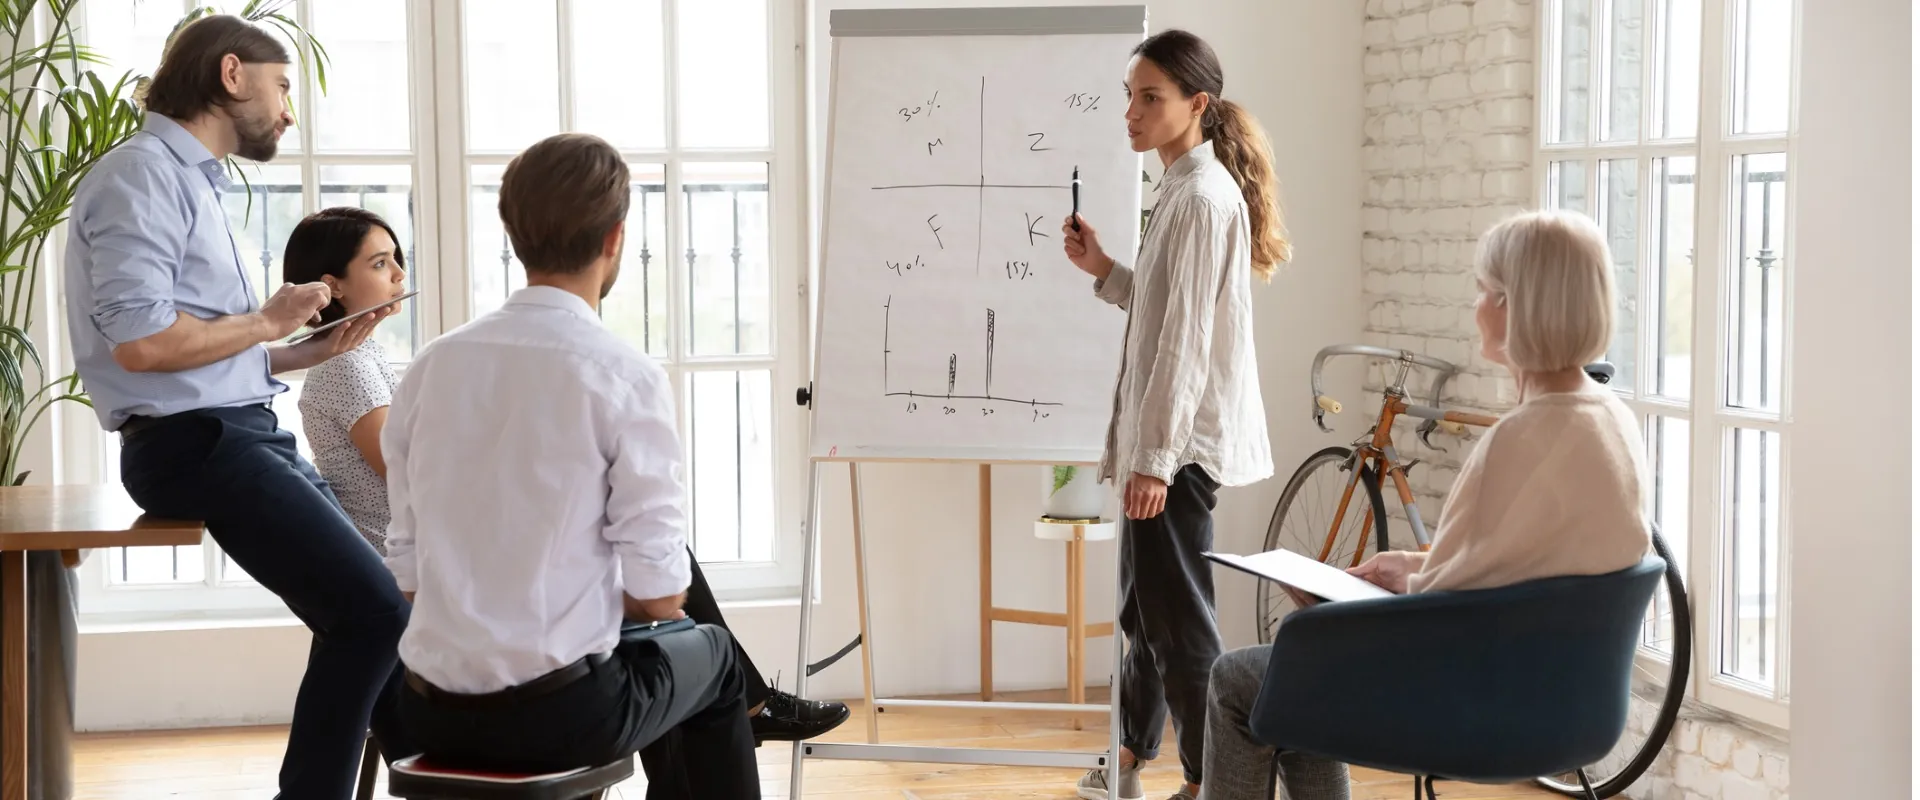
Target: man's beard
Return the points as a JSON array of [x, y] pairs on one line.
[[259, 138]]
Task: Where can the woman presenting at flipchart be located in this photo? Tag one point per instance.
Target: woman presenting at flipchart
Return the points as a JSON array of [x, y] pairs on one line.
[[1187, 416]]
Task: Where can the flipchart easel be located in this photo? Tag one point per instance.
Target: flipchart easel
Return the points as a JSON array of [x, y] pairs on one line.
[[985, 24]]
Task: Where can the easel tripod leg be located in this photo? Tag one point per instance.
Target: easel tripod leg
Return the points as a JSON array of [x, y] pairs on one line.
[[809, 558], [986, 583], [860, 585]]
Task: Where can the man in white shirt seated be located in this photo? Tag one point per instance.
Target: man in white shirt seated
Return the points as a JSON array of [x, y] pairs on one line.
[[534, 473]]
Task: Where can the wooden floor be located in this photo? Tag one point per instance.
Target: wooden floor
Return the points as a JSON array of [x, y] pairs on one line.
[[233, 763]]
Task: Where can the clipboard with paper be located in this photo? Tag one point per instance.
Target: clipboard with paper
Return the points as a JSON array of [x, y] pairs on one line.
[[1324, 581]]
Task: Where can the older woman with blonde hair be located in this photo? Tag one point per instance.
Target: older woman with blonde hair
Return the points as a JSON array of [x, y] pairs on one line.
[[1558, 487]]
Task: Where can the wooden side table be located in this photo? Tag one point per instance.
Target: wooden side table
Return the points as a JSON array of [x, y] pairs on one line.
[[1076, 533], [68, 519]]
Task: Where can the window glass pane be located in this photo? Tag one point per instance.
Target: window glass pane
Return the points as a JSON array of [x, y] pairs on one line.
[[1620, 218], [1572, 73], [728, 244], [1626, 55], [1753, 557], [1673, 189], [619, 71], [1756, 320], [129, 35], [366, 105], [1763, 52], [1669, 449], [1568, 186], [513, 74], [722, 48], [386, 190], [639, 307], [261, 217], [1679, 69], [148, 566], [730, 446], [496, 272]]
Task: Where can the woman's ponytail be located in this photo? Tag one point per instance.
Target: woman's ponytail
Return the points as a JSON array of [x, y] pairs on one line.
[[1241, 146]]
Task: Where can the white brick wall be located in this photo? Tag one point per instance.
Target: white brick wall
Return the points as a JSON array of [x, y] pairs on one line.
[[1449, 146], [1710, 757], [1448, 152]]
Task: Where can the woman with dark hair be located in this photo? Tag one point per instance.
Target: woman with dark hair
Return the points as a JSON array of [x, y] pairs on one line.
[[1188, 418], [343, 404]]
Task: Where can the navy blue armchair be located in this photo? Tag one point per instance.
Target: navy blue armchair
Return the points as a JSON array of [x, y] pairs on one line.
[[1486, 686]]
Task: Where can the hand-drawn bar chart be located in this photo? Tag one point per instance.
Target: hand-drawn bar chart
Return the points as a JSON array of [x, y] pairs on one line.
[[955, 390]]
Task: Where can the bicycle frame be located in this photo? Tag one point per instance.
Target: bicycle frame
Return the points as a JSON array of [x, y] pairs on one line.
[[1377, 449]]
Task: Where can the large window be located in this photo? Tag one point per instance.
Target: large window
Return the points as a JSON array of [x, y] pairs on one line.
[[425, 104], [1668, 122]]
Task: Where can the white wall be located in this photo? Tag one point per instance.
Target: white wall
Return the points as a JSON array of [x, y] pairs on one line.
[[1851, 509], [1296, 65]]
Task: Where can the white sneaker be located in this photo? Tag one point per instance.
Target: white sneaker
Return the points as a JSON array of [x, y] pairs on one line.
[[1094, 785]]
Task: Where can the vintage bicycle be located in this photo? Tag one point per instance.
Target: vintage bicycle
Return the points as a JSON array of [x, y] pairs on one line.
[[1334, 510]]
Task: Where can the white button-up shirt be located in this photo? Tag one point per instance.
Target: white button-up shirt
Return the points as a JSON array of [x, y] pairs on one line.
[[1189, 387], [534, 474]]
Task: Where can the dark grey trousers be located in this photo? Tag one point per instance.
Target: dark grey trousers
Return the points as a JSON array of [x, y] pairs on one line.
[[1167, 617]]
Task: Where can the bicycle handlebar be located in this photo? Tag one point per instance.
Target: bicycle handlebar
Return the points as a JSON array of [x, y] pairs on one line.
[[1443, 371]]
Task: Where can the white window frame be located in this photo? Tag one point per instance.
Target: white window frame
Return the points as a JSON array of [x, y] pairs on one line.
[[788, 260], [1708, 416], [436, 94]]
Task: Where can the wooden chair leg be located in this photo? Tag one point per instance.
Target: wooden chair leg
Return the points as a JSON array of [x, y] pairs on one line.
[[369, 769]]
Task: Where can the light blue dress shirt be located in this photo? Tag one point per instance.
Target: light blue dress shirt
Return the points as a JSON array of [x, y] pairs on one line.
[[148, 238]]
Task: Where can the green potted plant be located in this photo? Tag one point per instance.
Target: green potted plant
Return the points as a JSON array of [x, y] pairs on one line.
[[1072, 493], [60, 117]]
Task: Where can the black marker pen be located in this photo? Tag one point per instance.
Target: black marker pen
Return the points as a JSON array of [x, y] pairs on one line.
[[1076, 199]]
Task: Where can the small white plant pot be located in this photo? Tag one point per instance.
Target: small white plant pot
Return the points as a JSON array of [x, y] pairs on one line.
[[1071, 493]]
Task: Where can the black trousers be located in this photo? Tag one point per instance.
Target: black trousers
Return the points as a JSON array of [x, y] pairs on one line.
[[676, 699], [702, 608], [1167, 616], [275, 517]]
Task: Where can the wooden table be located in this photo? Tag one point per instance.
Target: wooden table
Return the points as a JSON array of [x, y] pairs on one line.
[[67, 519]]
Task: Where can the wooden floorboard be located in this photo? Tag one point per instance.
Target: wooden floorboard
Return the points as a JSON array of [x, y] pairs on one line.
[[234, 763]]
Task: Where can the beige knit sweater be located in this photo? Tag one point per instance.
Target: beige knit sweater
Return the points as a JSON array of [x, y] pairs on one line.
[[1558, 487]]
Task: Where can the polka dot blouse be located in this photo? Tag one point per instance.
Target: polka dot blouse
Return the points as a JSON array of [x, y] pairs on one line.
[[335, 396]]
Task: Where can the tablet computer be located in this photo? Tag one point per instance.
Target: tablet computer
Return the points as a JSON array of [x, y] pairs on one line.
[[311, 332]]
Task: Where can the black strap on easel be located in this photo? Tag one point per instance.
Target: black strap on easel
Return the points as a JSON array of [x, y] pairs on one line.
[[814, 668]]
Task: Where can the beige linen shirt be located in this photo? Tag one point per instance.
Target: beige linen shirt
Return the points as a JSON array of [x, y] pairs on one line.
[[1189, 387]]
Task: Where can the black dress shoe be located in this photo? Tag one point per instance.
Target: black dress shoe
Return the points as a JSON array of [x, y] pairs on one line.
[[786, 718]]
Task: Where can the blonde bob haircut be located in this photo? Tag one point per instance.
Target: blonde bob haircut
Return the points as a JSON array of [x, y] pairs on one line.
[[1554, 273]]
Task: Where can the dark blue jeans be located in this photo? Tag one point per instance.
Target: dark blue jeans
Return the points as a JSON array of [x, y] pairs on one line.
[[273, 514]]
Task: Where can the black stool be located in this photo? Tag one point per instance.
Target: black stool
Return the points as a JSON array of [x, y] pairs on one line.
[[412, 779]]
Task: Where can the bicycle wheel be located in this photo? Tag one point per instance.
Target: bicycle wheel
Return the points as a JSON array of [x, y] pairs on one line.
[[1304, 519], [1659, 683]]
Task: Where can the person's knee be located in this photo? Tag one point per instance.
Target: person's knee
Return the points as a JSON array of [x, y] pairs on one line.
[[1235, 677], [377, 622], [722, 646]]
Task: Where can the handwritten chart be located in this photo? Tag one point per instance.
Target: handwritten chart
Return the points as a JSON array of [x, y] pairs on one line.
[[951, 322]]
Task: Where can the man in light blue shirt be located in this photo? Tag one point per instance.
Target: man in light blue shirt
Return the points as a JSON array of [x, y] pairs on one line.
[[179, 359]]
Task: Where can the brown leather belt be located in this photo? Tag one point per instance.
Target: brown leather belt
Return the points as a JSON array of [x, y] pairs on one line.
[[543, 685]]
